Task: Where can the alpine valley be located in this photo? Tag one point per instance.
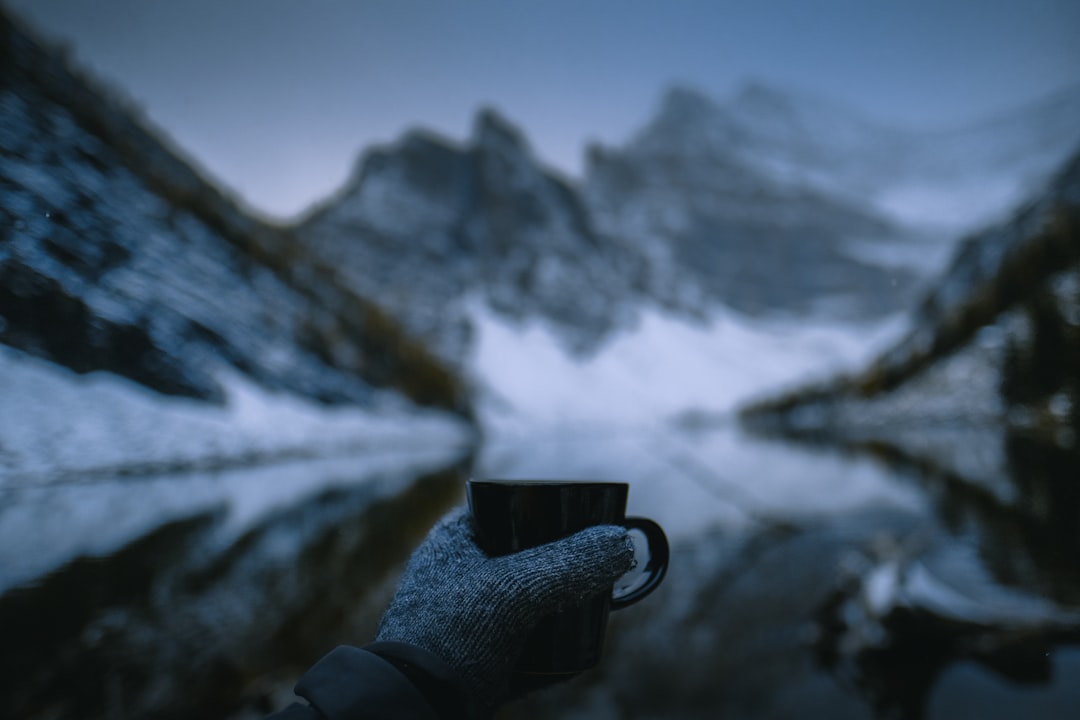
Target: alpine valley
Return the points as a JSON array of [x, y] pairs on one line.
[[750, 241], [835, 359]]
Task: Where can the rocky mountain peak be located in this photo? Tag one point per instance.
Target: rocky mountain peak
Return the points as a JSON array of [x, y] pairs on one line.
[[423, 180], [684, 103], [765, 108], [688, 122], [791, 109], [433, 226], [758, 92], [758, 115], [491, 131], [504, 161]]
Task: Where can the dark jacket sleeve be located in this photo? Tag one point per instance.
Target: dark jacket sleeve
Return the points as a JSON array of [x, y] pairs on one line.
[[381, 680]]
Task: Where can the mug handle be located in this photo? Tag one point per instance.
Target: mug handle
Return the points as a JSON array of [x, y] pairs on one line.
[[656, 566]]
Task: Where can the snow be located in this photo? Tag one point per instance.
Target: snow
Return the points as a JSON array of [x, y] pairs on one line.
[[881, 587], [948, 576], [662, 367], [925, 252], [953, 206], [42, 527], [969, 593], [88, 463], [56, 425]]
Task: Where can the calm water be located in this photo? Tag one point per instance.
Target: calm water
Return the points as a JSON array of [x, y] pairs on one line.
[[804, 582]]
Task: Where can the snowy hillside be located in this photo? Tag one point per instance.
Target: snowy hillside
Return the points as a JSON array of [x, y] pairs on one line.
[[117, 259], [58, 426], [969, 177], [95, 460]]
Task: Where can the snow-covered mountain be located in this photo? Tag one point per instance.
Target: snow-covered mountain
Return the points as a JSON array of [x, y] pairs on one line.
[[724, 231], [952, 180], [787, 137], [766, 212], [991, 361], [720, 223], [116, 257], [429, 227], [970, 177], [438, 228]]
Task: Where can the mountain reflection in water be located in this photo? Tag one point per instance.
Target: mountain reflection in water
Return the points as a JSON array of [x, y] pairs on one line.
[[804, 582], [168, 627]]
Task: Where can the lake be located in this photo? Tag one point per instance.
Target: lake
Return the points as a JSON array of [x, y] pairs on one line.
[[805, 581]]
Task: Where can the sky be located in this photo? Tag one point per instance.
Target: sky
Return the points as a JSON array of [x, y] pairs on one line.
[[277, 99]]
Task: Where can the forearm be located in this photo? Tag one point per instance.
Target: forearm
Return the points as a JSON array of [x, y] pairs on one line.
[[381, 680]]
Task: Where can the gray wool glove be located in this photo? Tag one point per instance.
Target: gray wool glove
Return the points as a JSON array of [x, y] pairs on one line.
[[475, 611]]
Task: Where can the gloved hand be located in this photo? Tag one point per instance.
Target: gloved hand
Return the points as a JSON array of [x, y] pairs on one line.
[[475, 611]]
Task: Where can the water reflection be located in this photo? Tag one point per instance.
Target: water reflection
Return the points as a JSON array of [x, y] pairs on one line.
[[861, 612], [805, 582], [167, 627]]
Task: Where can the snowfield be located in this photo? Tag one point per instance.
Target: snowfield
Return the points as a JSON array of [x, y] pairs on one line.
[[57, 426], [90, 462], [660, 369]]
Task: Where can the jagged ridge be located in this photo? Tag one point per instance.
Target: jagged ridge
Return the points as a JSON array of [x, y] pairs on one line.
[[432, 226]]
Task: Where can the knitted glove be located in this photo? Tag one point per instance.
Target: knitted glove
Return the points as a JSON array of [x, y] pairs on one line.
[[475, 611]]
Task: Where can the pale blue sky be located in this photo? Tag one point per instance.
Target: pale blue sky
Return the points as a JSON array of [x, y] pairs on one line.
[[276, 98]]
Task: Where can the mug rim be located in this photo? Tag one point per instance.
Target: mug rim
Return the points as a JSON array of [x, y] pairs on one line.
[[545, 482]]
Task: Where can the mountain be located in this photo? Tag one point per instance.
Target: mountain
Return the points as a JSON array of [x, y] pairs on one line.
[[719, 224], [990, 366], [979, 174], [117, 257], [674, 222], [771, 202], [792, 137], [950, 179], [977, 406], [431, 228]]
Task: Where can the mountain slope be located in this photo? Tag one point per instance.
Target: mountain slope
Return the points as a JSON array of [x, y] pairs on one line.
[[992, 358], [115, 255], [952, 180], [148, 326], [718, 225]]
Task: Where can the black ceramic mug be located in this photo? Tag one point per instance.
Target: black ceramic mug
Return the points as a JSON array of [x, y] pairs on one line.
[[512, 515]]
